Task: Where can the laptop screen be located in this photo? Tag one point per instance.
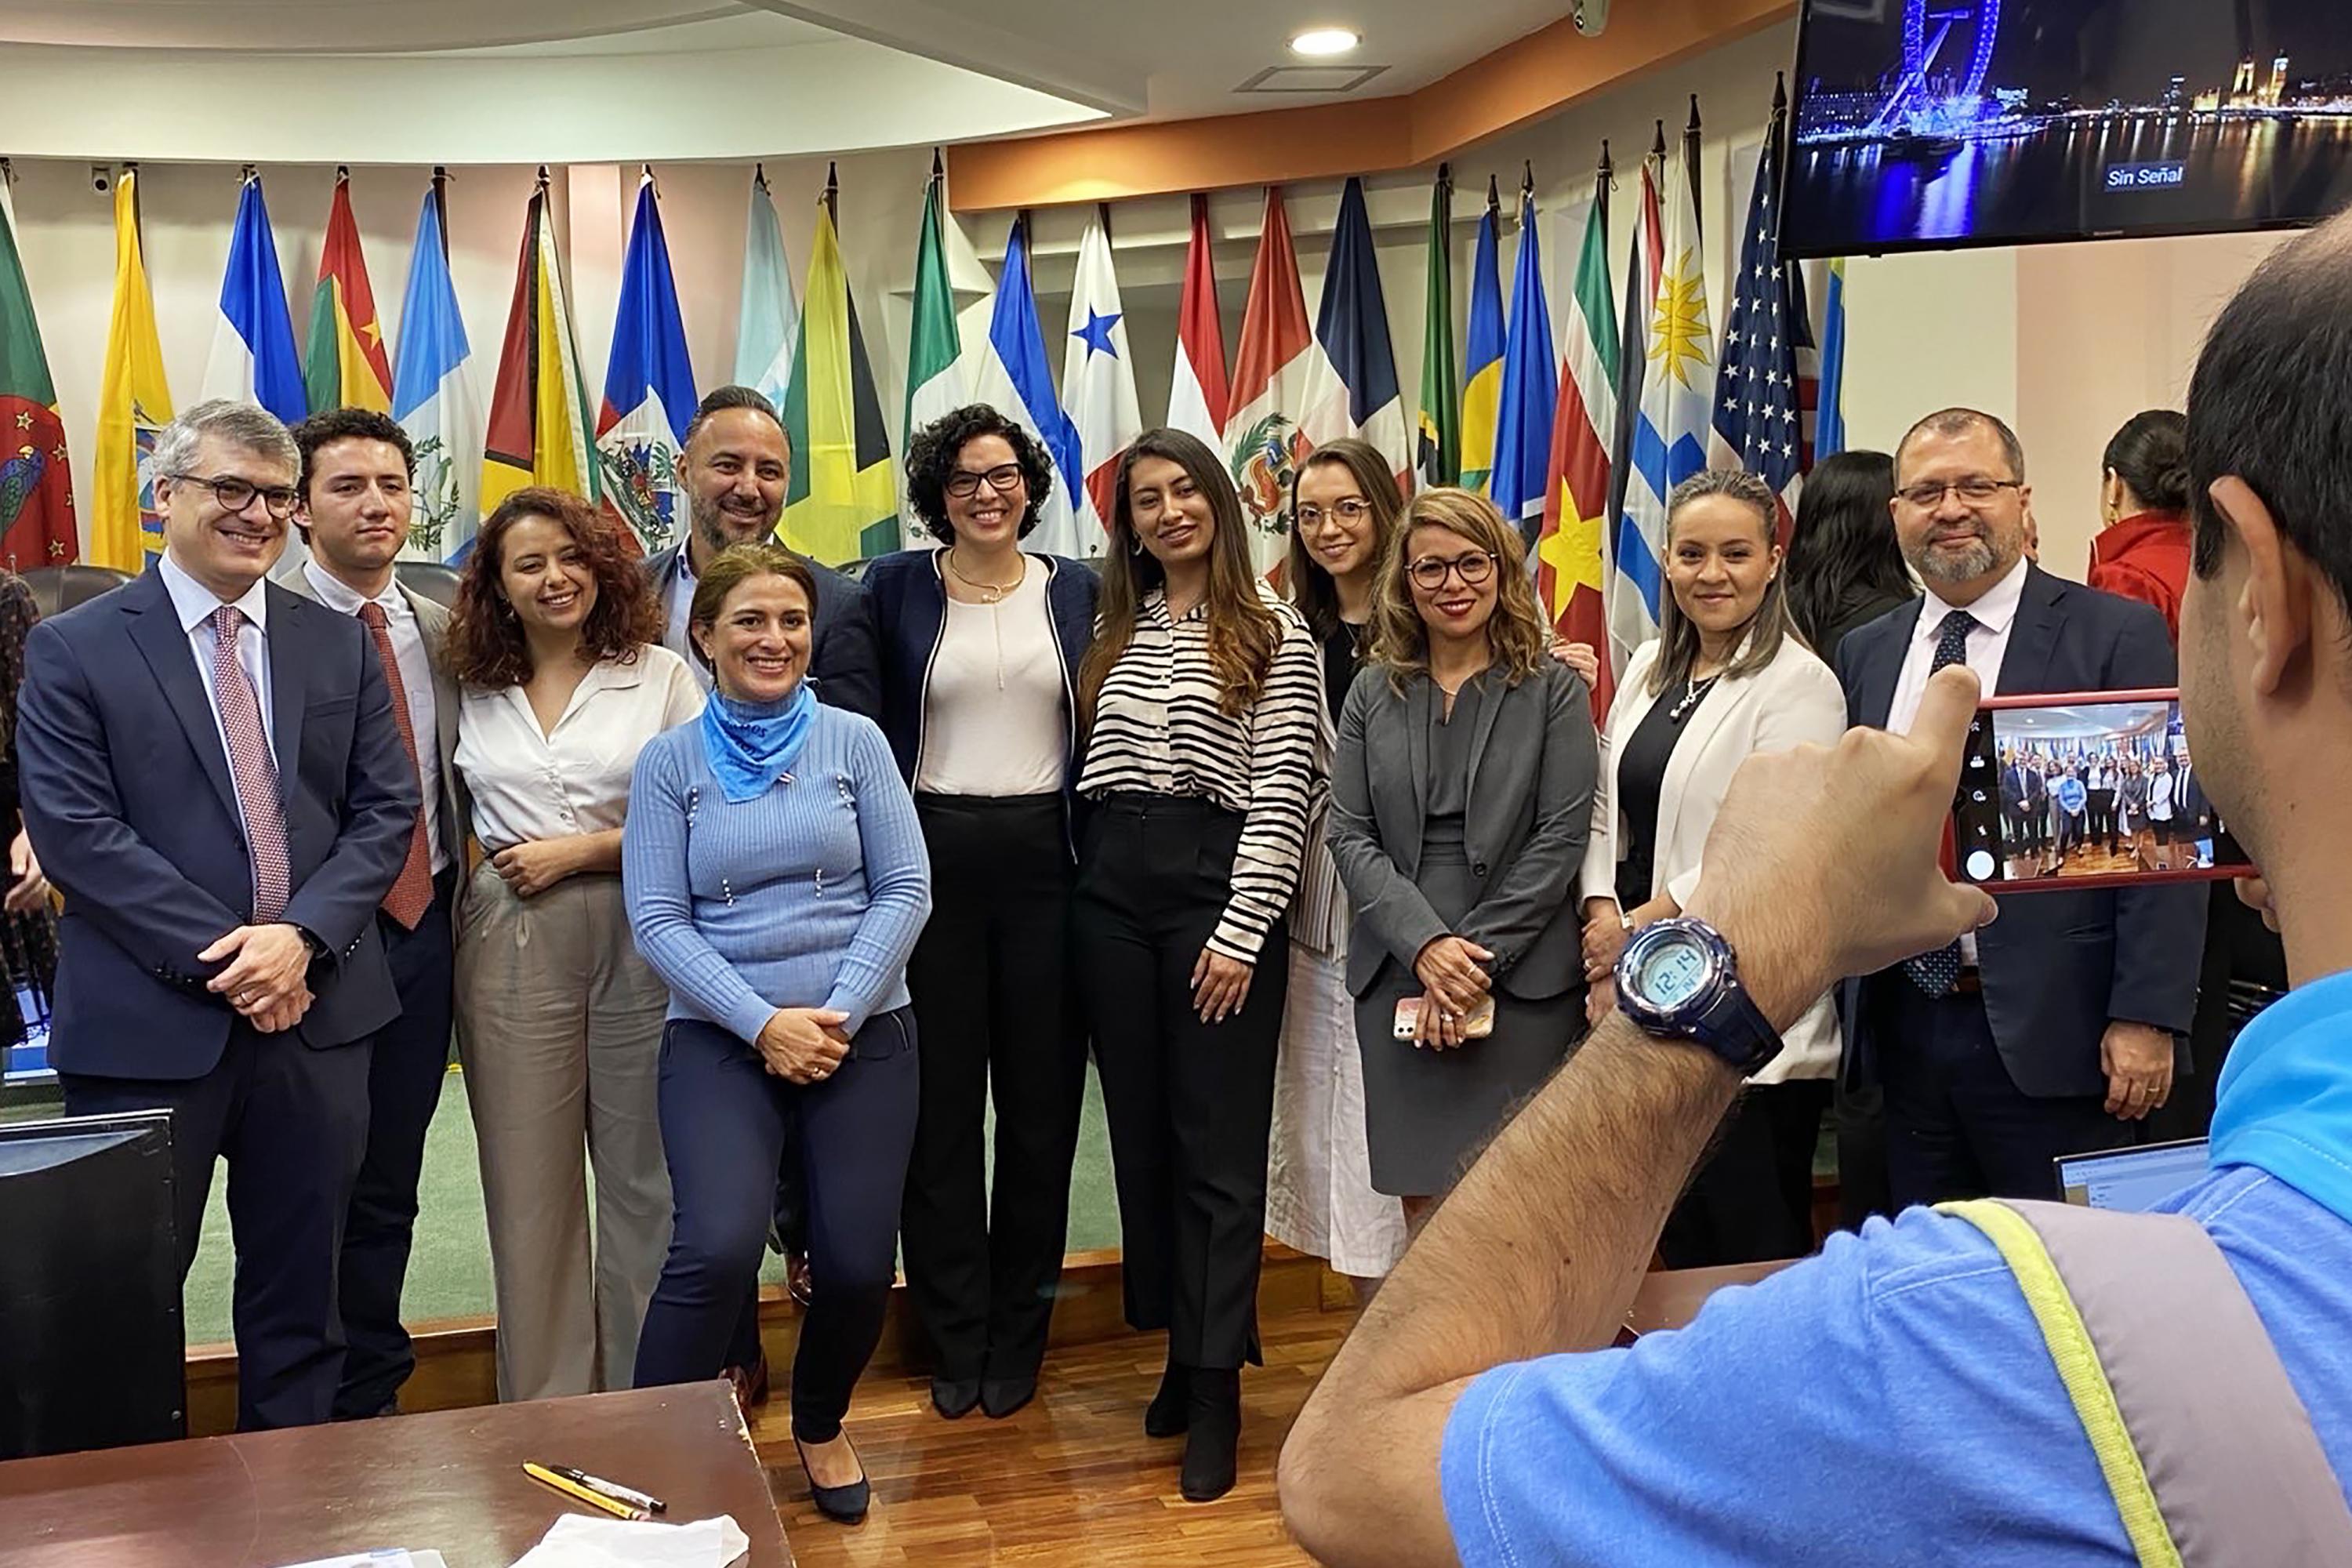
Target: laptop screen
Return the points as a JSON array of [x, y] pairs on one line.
[[2133, 1179]]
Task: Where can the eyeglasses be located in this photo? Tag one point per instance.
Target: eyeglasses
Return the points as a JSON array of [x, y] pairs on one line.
[[235, 494], [1004, 479], [1976, 489], [1353, 510], [1430, 570]]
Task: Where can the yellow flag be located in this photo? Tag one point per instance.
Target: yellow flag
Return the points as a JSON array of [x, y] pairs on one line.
[[134, 403], [843, 499]]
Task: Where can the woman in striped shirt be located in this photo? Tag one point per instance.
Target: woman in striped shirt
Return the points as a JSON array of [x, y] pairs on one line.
[[1206, 753]]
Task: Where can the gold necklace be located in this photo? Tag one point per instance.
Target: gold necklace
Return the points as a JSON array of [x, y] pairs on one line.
[[996, 591]]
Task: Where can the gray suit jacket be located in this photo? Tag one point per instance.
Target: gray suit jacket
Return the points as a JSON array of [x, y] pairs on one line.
[[1533, 762]]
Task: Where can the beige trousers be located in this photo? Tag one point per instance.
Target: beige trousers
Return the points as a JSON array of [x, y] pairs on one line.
[[559, 1030]]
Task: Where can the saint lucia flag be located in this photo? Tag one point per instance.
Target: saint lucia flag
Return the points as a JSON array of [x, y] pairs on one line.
[[1530, 386], [843, 499], [1482, 393], [432, 396], [537, 431], [1351, 388], [649, 388], [1017, 379], [254, 358]]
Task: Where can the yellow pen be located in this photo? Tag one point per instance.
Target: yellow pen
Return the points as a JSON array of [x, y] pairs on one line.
[[579, 1493]]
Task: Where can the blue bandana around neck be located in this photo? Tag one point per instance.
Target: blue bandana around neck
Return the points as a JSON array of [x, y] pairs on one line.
[[2284, 1102], [752, 745]]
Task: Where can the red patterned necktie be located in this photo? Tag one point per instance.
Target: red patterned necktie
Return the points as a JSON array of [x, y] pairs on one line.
[[255, 770], [412, 894]]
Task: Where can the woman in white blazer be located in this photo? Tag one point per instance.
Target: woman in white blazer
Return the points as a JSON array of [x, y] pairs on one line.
[[1726, 676]]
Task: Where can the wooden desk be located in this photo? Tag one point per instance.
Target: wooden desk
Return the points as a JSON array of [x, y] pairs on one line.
[[451, 1481], [1672, 1297]]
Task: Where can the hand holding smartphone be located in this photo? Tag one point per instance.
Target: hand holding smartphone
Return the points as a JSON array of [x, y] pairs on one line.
[[1477, 1024]]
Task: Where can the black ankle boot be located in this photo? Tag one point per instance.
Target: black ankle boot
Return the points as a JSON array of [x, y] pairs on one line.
[[1167, 1414], [1214, 1413]]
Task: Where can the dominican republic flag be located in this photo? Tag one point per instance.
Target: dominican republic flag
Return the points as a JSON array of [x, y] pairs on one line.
[[1098, 383], [252, 358], [648, 389], [1571, 559], [1530, 386], [1198, 395], [1482, 366], [432, 394], [1270, 381], [1352, 384], [1758, 424], [1019, 381]]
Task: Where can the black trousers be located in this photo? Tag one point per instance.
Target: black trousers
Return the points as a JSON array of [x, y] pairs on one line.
[[291, 1122], [723, 1121], [409, 1065], [1752, 1197], [991, 979], [2103, 817], [1190, 1104], [1956, 1125]]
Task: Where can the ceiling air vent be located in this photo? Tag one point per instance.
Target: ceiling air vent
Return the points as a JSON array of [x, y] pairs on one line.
[[1311, 78]]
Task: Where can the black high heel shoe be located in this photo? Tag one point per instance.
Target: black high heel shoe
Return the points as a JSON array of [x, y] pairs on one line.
[[842, 1505], [1168, 1414], [1214, 1440]]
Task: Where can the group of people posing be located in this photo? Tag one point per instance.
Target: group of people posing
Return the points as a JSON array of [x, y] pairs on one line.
[[746, 885]]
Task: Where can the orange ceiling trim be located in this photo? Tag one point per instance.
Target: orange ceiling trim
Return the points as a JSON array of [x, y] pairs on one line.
[[1522, 81]]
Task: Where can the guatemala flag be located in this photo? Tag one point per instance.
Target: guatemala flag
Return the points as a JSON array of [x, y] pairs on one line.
[[1017, 380], [433, 396], [648, 389], [252, 358]]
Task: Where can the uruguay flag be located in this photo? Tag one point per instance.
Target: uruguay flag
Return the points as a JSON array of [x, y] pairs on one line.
[[1016, 378], [433, 396], [1531, 386], [1351, 386], [253, 357], [648, 389]]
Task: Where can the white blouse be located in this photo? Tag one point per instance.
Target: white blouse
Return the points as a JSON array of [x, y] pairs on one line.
[[529, 784], [994, 711]]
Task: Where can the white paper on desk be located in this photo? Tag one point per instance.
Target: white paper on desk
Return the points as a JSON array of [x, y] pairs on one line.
[[389, 1557], [576, 1541]]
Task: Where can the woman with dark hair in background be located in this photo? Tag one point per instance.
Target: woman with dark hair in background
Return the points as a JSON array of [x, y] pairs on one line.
[[556, 643], [2143, 550], [1319, 1193], [979, 644], [1202, 703], [1844, 568]]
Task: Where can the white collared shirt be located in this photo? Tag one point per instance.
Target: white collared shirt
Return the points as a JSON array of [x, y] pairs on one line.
[[1996, 612], [415, 684], [196, 605], [679, 612], [528, 783]]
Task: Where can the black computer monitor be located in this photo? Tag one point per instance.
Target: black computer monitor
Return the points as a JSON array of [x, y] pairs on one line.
[[92, 1346]]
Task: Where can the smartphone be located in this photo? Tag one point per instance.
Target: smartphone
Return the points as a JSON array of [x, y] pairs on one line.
[[1476, 1026], [2085, 789]]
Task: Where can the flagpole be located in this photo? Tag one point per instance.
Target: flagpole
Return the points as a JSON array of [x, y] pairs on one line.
[[1603, 176], [832, 194], [1690, 167], [441, 209]]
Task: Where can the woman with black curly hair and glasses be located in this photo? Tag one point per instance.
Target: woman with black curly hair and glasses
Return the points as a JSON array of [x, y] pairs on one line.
[[981, 642]]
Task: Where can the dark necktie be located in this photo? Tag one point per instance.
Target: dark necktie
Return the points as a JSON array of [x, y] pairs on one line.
[[253, 768], [1936, 973], [412, 893]]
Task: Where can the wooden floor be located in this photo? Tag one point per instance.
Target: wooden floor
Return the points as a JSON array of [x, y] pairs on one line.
[[1071, 1480]]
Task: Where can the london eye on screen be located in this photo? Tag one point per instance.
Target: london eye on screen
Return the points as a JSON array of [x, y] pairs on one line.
[[1942, 123]]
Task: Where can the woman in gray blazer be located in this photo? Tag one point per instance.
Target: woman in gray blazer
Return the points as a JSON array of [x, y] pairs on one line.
[[1460, 799]]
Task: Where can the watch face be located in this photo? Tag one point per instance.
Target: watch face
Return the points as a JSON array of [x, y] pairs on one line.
[[1673, 974]]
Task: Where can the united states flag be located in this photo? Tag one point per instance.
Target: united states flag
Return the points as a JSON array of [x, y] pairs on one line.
[[1758, 416]]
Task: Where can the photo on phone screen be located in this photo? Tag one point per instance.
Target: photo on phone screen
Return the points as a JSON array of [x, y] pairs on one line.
[[2099, 788]]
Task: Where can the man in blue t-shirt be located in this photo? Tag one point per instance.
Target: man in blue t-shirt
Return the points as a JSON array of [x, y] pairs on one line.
[[1892, 1400]]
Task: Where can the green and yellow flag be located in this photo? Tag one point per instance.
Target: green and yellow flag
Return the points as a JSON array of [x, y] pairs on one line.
[[844, 501], [134, 403], [539, 432], [344, 365]]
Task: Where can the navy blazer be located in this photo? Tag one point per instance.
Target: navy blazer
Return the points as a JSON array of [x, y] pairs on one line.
[[2056, 967], [910, 616], [843, 668], [127, 796]]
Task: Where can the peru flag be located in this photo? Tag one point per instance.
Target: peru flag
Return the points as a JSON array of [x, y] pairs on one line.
[[1098, 383], [1271, 378], [1197, 394]]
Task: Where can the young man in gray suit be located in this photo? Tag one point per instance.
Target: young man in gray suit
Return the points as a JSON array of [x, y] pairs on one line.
[[355, 503]]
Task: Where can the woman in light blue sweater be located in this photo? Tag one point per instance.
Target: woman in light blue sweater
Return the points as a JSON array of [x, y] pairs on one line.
[[777, 880]]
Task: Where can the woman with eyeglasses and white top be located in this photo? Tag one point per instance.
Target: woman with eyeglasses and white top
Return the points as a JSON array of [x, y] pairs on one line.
[[979, 644]]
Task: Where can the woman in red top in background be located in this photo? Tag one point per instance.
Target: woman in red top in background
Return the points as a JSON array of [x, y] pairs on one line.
[[2143, 551]]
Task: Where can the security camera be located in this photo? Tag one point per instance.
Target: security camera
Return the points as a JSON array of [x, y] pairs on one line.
[[101, 178], [1591, 15]]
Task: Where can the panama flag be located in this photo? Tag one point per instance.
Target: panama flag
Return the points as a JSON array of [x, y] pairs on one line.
[[1530, 384], [936, 381], [1482, 391], [1198, 395], [36, 514], [1571, 563], [1098, 383], [344, 365], [769, 318], [1351, 384], [134, 403], [252, 358], [649, 388], [1271, 376], [538, 432], [1018, 380], [433, 393], [1671, 432]]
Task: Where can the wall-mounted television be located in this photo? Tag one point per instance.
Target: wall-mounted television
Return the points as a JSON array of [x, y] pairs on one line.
[[1933, 124]]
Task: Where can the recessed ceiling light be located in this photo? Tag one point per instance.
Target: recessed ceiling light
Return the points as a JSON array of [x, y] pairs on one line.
[[1318, 42]]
